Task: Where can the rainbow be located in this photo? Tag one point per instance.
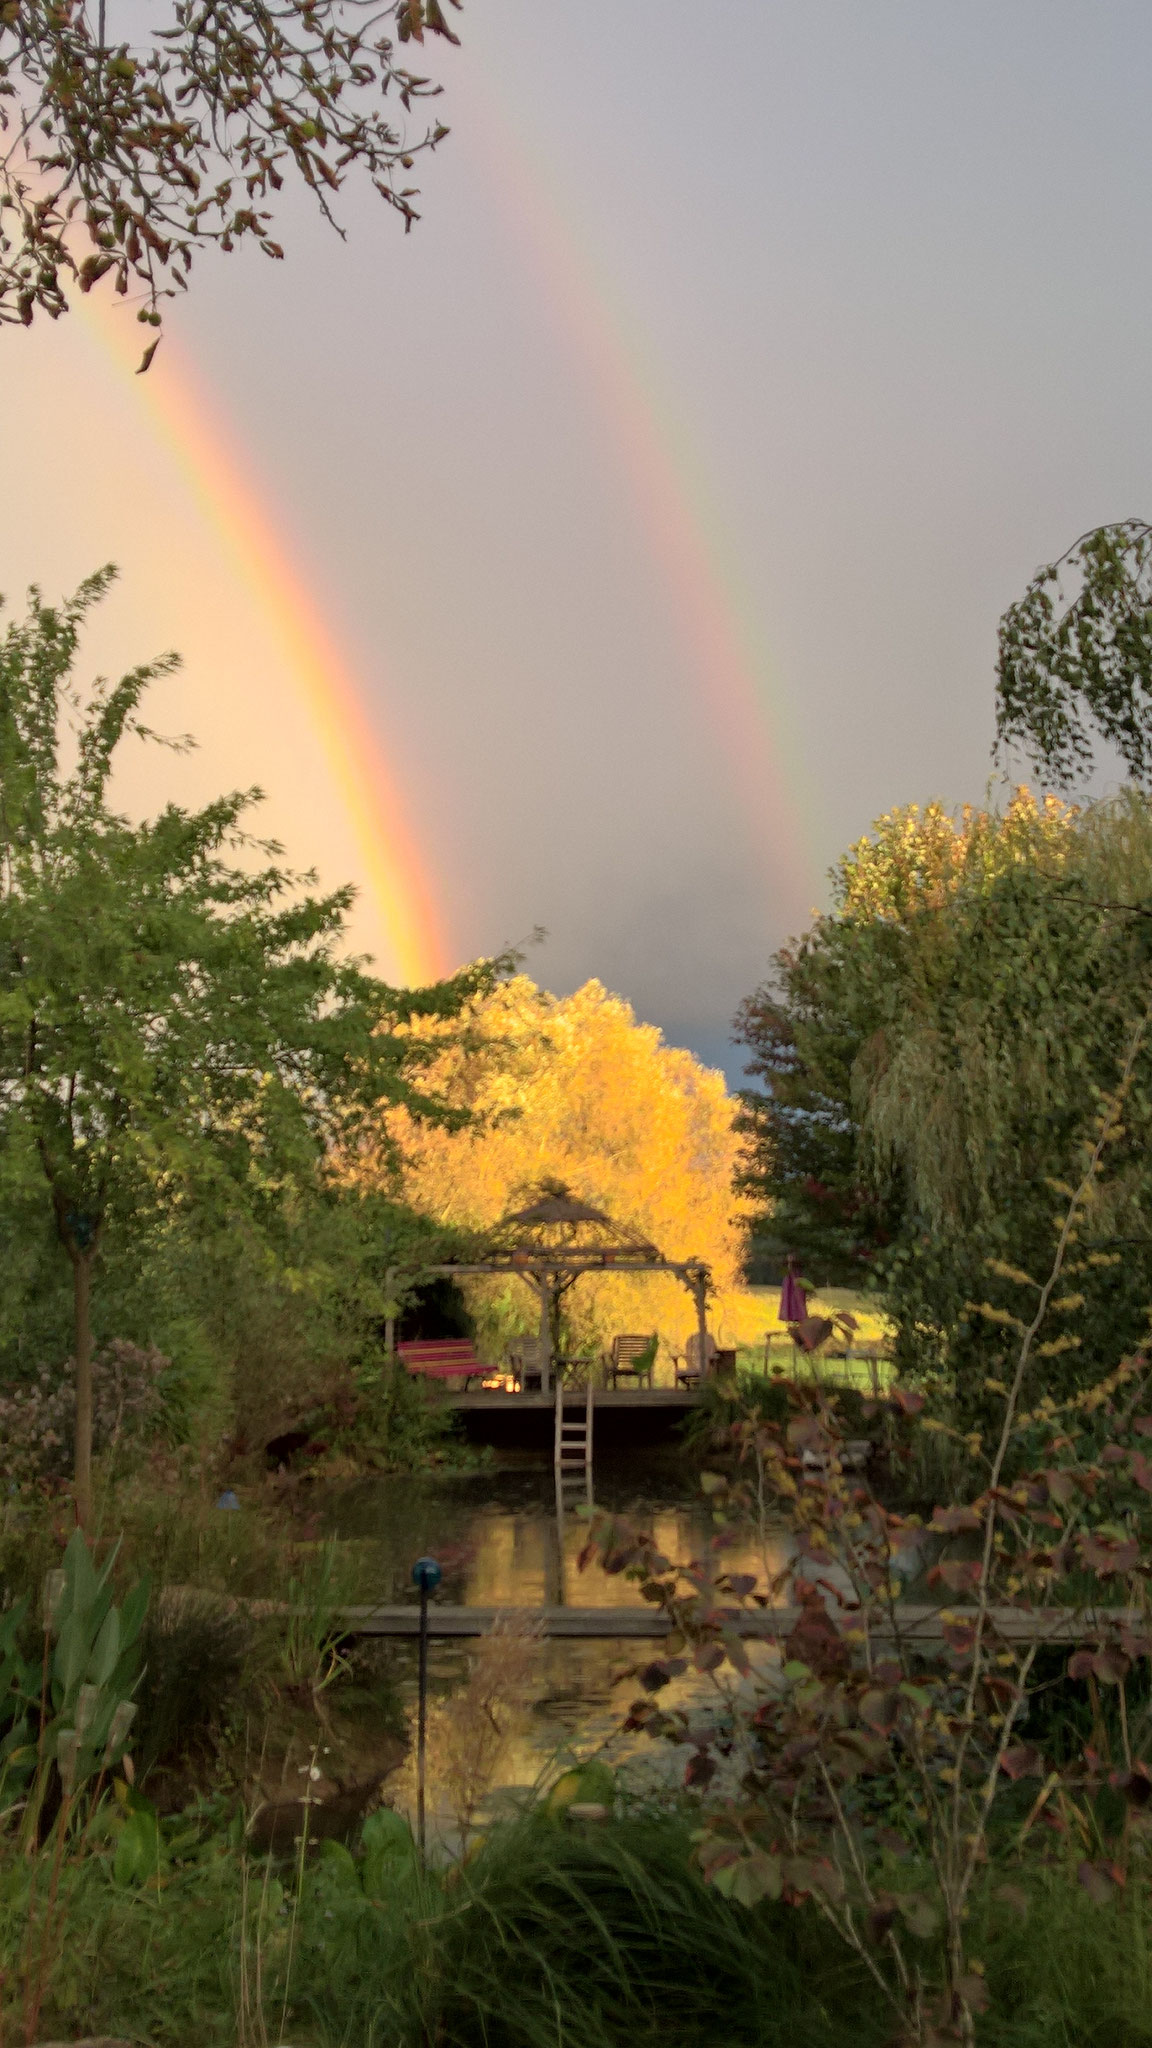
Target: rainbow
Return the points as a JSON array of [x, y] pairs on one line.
[[715, 620], [749, 716], [186, 422]]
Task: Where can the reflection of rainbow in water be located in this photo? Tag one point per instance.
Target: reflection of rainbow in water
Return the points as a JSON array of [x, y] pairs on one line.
[[177, 411]]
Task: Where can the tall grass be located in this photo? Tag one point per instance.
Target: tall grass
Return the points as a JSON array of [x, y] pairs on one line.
[[550, 1935]]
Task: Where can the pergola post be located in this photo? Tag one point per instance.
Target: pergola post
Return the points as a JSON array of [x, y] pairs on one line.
[[545, 1333], [700, 1290]]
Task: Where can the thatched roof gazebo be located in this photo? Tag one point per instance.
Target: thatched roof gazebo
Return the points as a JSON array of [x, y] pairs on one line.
[[556, 1239]]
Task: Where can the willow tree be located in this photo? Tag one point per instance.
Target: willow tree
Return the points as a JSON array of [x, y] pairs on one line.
[[177, 1032], [942, 1038], [1075, 659]]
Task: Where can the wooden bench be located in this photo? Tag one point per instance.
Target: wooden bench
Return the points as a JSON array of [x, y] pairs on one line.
[[443, 1358]]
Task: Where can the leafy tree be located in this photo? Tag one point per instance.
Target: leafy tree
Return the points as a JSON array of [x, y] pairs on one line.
[[178, 1034], [142, 153], [1076, 657], [575, 1089], [949, 1026]]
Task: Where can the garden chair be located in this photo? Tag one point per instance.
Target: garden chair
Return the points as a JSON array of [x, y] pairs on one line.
[[688, 1372], [632, 1358], [526, 1364]]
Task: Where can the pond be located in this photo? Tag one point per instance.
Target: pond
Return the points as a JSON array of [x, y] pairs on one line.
[[502, 1544]]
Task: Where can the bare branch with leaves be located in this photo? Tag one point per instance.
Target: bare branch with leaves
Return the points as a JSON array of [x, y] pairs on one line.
[[123, 159]]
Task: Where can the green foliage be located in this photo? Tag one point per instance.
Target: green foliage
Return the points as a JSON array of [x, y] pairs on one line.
[[183, 1047], [71, 1710], [590, 1935], [95, 1664], [961, 1012], [1076, 653], [194, 1652]]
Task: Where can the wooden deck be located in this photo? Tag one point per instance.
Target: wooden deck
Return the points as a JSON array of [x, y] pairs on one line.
[[914, 1623], [625, 1419], [609, 1400]]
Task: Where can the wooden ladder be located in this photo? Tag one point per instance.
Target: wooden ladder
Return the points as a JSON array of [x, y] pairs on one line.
[[572, 1452]]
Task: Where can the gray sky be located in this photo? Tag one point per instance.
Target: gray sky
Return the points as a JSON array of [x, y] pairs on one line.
[[867, 284]]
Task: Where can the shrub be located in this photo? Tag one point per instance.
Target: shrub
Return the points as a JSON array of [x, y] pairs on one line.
[[37, 1418], [194, 1649]]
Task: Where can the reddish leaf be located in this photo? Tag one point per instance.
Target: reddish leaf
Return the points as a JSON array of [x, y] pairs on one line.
[[1105, 1555], [1022, 1761], [1112, 1666], [880, 1709], [973, 1990], [909, 1403], [958, 1574], [708, 1656], [1136, 1784], [1081, 1664], [740, 1584], [1142, 1471], [655, 1675], [881, 1916], [700, 1769], [953, 1520], [1101, 1881]]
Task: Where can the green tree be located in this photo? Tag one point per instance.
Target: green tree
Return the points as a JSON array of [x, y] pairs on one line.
[[1075, 658], [127, 157], [178, 1034], [950, 1026]]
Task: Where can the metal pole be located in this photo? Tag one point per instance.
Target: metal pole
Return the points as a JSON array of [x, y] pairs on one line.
[[422, 1735], [426, 1573]]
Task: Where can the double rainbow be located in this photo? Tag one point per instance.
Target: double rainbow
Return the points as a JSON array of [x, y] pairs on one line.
[[715, 622]]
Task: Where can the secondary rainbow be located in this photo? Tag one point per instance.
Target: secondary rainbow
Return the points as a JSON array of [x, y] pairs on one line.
[[183, 416], [744, 712]]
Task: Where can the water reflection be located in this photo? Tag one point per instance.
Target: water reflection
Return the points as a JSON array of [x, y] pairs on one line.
[[502, 1542]]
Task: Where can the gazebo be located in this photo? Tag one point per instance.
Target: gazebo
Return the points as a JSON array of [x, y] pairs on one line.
[[555, 1240]]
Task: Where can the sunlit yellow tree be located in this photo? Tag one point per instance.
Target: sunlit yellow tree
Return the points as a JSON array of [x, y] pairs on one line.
[[575, 1089]]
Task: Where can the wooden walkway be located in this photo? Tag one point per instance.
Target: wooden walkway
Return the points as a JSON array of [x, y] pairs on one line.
[[914, 1623]]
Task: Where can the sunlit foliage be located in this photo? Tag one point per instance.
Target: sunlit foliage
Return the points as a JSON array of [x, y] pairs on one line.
[[575, 1089]]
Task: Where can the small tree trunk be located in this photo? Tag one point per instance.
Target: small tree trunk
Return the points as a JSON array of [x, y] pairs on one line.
[[82, 1322]]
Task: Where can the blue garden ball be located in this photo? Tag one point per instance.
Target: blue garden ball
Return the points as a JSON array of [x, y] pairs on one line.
[[426, 1574]]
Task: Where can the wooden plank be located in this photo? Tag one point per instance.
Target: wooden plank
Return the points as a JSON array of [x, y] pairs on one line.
[[913, 1622]]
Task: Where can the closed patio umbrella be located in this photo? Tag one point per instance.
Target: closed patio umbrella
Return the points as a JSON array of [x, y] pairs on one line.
[[793, 1299]]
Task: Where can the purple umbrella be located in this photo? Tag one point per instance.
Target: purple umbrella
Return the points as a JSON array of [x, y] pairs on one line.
[[793, 1300]]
